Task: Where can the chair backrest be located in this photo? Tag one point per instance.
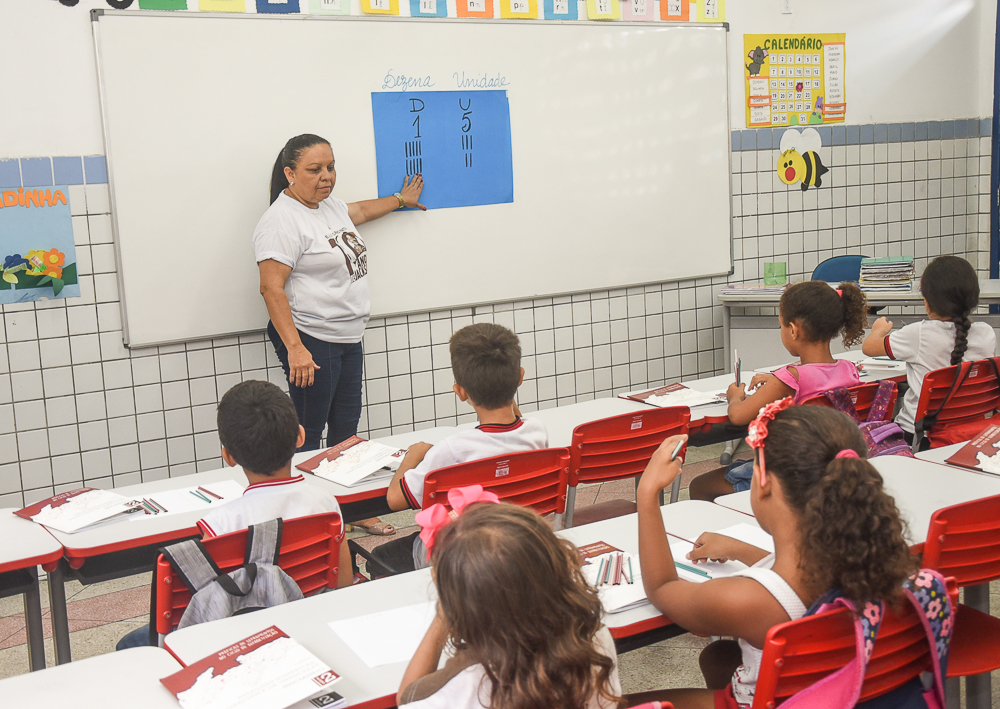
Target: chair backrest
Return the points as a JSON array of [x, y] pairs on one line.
[[310, 554], [975, 398], [839, 268], [654, 705], [862, 396], [621, 446], [963, 541], [801, 652], [534, 478]]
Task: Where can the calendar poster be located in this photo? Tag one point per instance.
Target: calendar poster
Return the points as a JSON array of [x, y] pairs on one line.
[[794, 80]]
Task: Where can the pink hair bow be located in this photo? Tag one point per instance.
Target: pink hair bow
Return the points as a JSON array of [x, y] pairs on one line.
[[437, 517], [757, 430]]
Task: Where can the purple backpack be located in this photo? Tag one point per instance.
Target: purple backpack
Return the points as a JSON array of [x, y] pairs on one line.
[[882, 435]]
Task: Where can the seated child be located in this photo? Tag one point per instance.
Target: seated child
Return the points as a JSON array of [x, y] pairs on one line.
[[259, 430], [486, 363], [834, 527], [951, 292], [525, 626], [810, 314]]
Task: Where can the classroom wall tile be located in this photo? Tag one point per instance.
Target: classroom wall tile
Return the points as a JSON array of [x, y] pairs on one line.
[[95, 168]]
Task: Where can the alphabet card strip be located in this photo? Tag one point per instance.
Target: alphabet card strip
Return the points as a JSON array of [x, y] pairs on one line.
[[222, 5], [519, 9], [604, 10], [794, 80], [711, 10], [428, 8], [561, 9], [330, 7]]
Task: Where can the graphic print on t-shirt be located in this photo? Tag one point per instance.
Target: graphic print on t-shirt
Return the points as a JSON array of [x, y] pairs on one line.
[[353, 248]]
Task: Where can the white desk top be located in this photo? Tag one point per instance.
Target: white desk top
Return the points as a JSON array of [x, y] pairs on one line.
[[117, 680], [940, 455], [709, 412], [989, 291], [306, 621], [561, 420], [920, 487], [24, 542]]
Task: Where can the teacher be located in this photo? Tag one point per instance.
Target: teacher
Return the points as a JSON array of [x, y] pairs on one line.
[[313, 275]]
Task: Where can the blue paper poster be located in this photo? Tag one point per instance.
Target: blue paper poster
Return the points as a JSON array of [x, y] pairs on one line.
[[36, 244], [458, 140]]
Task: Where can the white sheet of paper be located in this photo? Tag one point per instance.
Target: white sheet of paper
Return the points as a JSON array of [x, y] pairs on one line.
[[751, 535], [366, 635], [182, 500], [680, 551]]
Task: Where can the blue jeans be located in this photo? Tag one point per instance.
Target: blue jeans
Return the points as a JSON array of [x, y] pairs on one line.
[[738, 475], [334, 399]]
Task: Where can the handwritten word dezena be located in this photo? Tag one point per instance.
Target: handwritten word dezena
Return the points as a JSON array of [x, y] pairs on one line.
[[403, 82]]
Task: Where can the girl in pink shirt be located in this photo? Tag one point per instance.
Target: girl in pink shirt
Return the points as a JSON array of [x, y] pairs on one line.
[[810, 314]]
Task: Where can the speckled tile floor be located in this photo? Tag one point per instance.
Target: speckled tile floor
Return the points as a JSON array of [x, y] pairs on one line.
[[102, 613]]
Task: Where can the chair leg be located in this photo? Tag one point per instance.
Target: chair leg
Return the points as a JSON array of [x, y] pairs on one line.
[[953, 692], [977, 597], [570, 502], [978, 694]]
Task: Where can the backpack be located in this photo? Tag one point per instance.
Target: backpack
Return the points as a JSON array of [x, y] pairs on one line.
[[882, 436], [259, 583], [928, 593]]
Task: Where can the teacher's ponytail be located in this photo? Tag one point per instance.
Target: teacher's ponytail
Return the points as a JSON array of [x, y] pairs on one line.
[[289, 157]]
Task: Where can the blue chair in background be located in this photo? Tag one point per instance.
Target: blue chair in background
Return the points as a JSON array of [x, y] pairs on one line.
[[839, 268]]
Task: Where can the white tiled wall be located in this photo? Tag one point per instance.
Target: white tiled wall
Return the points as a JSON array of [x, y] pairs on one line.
[[77, 407]]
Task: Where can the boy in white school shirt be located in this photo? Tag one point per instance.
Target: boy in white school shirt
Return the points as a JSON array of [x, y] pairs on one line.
[[486, 363], [259, 430]]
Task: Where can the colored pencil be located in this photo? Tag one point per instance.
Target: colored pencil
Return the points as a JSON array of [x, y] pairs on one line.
[[692, 569], [200, 496], [209, 492]]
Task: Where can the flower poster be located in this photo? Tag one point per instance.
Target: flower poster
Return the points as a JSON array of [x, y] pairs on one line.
[[36, 245]]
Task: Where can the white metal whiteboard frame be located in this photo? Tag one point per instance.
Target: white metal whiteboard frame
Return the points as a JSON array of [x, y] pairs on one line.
[[97, 13]]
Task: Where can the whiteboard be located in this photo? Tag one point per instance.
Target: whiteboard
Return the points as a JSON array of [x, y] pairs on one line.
[[620, 148]]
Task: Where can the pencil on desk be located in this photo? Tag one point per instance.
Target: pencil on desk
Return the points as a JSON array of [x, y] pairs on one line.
[[692, 569], [600, 572], [631, 576], [154, 502], [149, 507], [209, 492], [200, 496]]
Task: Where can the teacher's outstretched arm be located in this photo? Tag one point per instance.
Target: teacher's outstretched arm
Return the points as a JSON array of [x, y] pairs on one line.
[[366, 210], [301, 368]]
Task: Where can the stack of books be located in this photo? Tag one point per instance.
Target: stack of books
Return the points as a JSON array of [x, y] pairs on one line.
[[887, 274]]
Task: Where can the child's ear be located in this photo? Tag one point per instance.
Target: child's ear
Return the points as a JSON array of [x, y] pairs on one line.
[[521, 380], [230, 461], [301, 437], [460, 392]]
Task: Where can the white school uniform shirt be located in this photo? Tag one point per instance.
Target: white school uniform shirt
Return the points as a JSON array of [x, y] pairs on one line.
[[261, 502], [925, 346], [470, 688], [483, 441], [328, 286], [745, 678]]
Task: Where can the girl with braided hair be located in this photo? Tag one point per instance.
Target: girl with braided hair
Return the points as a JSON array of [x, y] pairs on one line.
[[951, 292]]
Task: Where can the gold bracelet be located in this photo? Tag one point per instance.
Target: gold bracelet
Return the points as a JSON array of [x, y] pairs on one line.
[[400, 198]]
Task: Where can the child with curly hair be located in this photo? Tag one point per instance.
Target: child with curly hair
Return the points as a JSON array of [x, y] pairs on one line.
[[811, 314], [514, 605], [834, 527]]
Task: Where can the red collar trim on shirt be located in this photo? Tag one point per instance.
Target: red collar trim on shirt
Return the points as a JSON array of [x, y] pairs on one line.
[[501, 427], [274, 483]]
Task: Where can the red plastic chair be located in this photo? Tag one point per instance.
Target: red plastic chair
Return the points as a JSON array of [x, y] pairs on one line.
[[654, 705], [956, 401], [616, 448], [535, 479], [862, 396], [963, 541], [801, 652], [310, 554]]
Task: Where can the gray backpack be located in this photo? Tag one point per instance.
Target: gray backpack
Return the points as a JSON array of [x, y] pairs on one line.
[[259, 583]]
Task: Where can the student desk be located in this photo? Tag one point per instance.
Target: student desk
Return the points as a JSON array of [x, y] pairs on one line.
[[26, 546], [374, 688], [117, 680], [940, 455], [920, 487], [989, 293], [560, 421]]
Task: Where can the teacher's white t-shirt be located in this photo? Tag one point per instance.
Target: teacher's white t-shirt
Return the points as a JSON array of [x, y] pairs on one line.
[[328, 286]]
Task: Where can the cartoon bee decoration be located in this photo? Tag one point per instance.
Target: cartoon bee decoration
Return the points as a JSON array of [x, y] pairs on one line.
[[799, 160]]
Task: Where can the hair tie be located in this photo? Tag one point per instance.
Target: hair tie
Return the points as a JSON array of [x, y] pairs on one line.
[[437, 517], [840, 293], [847, 453]]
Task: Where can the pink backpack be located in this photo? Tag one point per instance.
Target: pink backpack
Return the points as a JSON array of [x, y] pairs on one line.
[[882, 435], [925, 590]]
